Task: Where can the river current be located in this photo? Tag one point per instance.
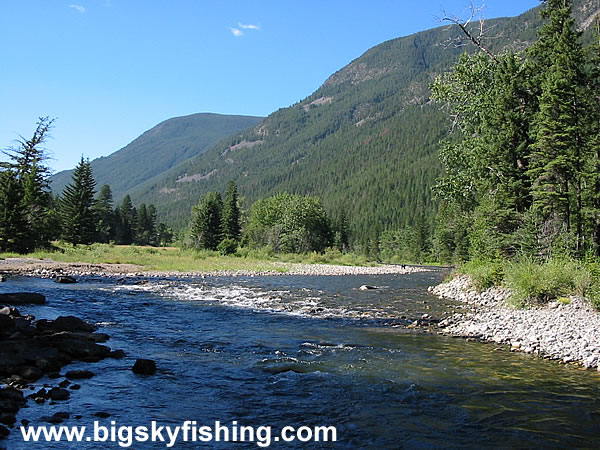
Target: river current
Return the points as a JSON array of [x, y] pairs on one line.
[[305, 351]]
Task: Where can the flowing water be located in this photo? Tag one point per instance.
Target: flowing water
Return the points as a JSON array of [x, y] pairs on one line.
[[306, 351]]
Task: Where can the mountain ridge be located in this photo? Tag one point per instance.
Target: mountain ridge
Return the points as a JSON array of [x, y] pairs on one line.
[[166, 145]]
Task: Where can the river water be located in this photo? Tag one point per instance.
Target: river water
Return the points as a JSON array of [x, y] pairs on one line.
[[305, 351]]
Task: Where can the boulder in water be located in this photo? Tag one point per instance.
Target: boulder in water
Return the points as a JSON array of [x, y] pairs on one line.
[[22, 298], [64, 279], [144, 367], [366, 287], [79, 374]]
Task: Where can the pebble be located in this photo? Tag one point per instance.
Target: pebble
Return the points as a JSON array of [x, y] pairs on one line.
[[569, 333]]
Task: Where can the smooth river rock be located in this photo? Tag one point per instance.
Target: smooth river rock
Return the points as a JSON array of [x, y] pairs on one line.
[[144, 367], [22, 298]]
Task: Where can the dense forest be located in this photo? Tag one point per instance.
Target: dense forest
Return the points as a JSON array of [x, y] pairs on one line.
[[521, 174]]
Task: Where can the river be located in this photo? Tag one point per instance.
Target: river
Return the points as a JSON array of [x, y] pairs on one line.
[[305, 351]]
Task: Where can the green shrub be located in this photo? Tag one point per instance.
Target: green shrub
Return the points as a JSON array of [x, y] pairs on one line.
[[533, 282], [484, 273], [227, 246]]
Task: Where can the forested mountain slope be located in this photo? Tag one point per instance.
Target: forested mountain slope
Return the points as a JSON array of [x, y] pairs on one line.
[[159, 149], [366, 141]]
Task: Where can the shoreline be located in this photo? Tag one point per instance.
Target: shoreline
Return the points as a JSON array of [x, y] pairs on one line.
[[47, 268], [565, 332]]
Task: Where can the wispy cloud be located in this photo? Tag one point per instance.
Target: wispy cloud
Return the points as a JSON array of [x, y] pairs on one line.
[[248, 27], [78, 8], [239, 30], [236, 32]]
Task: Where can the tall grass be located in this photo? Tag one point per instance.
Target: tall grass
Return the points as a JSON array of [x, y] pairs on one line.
[[533, 282]]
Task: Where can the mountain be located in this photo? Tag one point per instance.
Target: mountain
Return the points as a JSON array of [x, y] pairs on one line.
[[366, 141], [159, 149]]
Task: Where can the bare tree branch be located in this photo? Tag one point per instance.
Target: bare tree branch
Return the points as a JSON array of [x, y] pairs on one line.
[[464, 25]]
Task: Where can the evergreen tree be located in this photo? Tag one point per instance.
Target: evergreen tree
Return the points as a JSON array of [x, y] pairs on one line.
[[142, 237], [77, 206], [205, 229], [103, 208], [13, 221], [231, 214], [151, 225], [557, 159], [127, 220], [27, 164]]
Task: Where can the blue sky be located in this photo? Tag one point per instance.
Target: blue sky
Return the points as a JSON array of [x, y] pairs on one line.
[[108, 70]]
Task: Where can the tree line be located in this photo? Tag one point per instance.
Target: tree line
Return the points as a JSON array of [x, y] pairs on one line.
[[522, 168], [31, 217], [284, 223]]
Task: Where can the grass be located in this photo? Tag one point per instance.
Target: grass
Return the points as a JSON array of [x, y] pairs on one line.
[[173, 259], [533, 282]]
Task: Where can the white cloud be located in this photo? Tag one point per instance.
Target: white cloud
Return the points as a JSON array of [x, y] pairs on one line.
[[236, 32], [248, 27], [78, 8]]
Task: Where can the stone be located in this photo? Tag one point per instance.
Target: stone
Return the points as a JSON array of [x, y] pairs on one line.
[[22, 298], [6, 323], [117, 354], [102, 414], [366, 287], [72, 323], [144, 367], [10, 311], [7, 419], [2, 278], [64, 279], [79, 374], [59, 394], [31, 373]]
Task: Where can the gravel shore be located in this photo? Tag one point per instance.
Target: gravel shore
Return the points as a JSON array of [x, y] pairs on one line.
[[569, 333], [47, 268]]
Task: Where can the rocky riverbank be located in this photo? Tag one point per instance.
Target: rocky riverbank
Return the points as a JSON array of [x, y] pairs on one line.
[[50, 269], [566, 332], [33, 349]]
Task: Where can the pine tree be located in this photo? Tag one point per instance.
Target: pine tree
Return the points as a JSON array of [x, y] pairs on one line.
[[27, 161], [13, 221], [231, 214], [105, 218], [127, 218], [77, 206], [557, 157], [151, 225], [205, 228]]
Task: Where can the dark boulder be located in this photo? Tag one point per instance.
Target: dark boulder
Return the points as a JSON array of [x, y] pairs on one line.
[[7, 323], [117, 354], [22, 298], [8, 419], [64, 279], [31, 373], [76, 347], [11, 400], [79, 374], [144, 367], [71, 323], [4, 432], [57, 393]]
